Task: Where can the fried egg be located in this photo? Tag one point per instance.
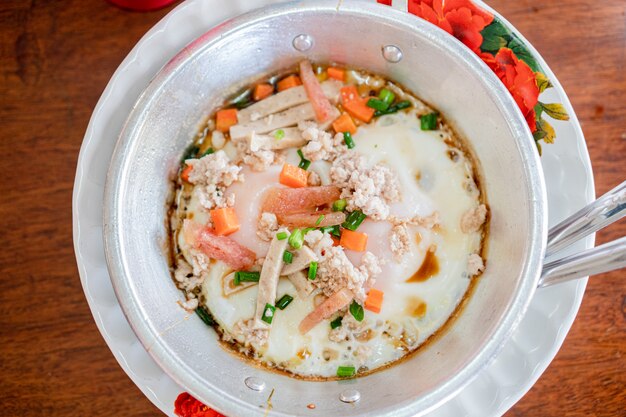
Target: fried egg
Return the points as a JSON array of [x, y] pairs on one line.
[[421, 290]]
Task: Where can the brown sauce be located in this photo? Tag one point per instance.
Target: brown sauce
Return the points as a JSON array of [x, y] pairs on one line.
[[429, 267], [416, 307]]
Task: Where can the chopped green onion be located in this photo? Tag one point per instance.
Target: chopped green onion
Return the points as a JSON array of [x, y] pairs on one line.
[[242, 104], [429, 121], [268, 313], [354, 220], [336, 323], [403, 105], [312, 270], [386, 96], [281, 235], [206, 317], [346, 371], [307, 230], [244, 276], [377, 104], [284, 301], [339, 205], [190, 153], [243, 99], [333, 230], [356, 310], [287, 257], [304, 163], [319, 220], [394, 109], [279, 134], [296, 239], [347, 138], [208, 152]]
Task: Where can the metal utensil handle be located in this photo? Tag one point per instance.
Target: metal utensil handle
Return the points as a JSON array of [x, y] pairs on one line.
[[604, 258], [605, 210]]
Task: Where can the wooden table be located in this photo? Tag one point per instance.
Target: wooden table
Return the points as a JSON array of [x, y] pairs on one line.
[[56, 58]]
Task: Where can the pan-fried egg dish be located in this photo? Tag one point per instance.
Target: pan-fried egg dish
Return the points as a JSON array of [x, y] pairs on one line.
[[326, 222]]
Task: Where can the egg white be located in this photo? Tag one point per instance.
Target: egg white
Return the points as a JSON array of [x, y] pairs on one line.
[[430, 181]]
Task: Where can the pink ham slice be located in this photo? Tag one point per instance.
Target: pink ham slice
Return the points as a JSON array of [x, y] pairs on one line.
[[330, 218], [297, 200], [222, 248], [324, 111], [327, 308]]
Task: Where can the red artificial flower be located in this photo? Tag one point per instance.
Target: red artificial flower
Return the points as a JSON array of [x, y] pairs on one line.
[[518, 78], [460, 18], [187, 406]]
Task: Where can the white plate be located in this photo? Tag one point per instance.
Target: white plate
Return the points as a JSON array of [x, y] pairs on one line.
[[569, 182]]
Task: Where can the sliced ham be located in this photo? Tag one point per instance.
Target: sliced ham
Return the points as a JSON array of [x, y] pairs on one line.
[[302, 258], [311, 219], [327, 308], [324, 111], [286, 99], [222, 248], [289, 117], [268, 283], [303, 284], [293, 200]]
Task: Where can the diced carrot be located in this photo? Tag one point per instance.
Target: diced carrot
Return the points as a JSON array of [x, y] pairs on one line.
[[225, 118], [324, 110], [289, 82], [374, 300], [327, 308], [360, 110], [355, 105], [225, 221], [223, 248], [337, 73], [353, 240], [262, 91], [186, 171], [280, 200], [335, 240], [293, 176], [349, 93], [344, 124]]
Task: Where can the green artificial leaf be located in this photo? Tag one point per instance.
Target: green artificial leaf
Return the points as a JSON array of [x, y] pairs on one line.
[[538, 147], [548, 129], [495, 36], [493, 44], [538, 110], [555, 110], [539, 134], [522, 52], [542, 81]]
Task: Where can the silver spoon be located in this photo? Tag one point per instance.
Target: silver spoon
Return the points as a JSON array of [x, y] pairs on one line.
[[608, 257]]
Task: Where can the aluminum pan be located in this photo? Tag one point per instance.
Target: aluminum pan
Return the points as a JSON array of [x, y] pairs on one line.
[[163, 122]]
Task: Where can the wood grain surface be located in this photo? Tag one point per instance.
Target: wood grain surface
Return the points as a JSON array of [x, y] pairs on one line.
[[57, 57]]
